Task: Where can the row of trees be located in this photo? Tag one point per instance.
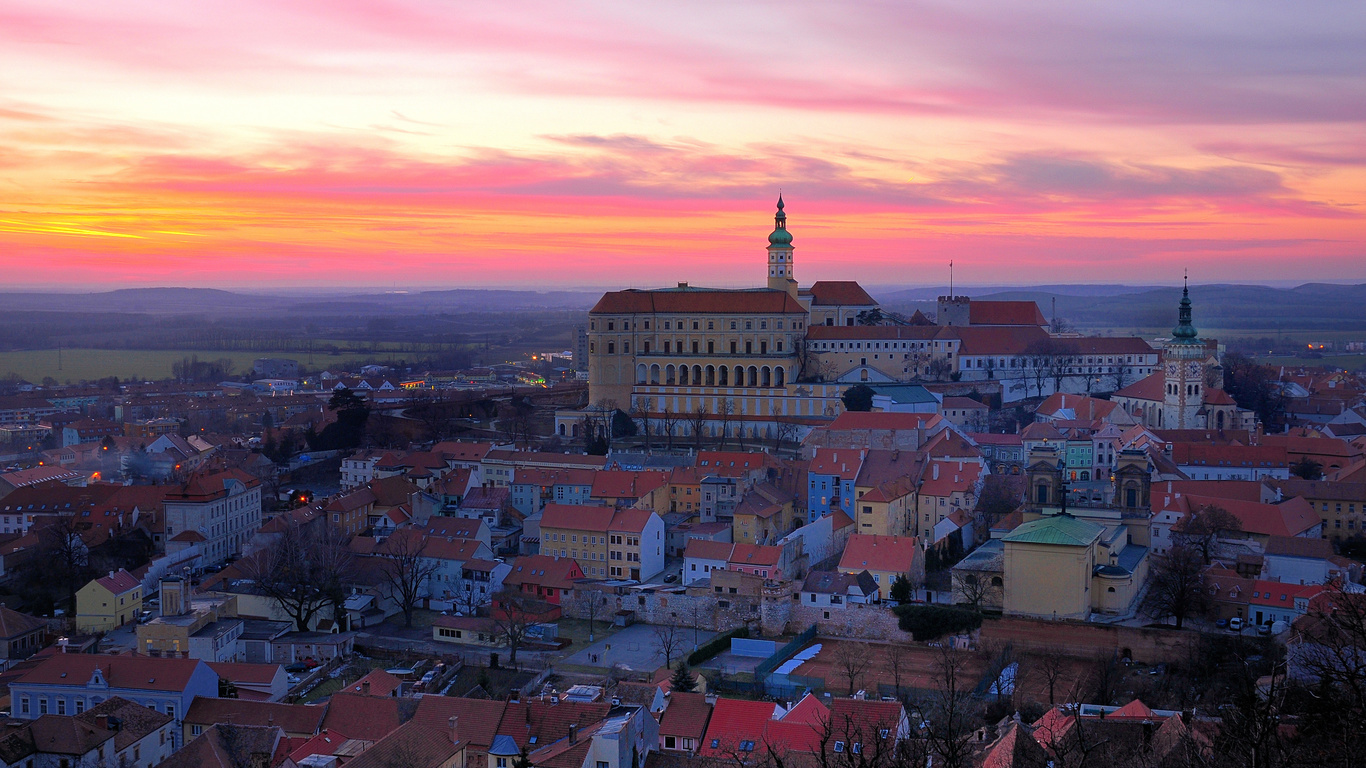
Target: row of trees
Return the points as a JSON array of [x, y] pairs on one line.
[[666, 428]]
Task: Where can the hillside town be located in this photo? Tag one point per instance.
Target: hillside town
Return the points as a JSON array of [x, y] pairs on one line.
[[771, 526]]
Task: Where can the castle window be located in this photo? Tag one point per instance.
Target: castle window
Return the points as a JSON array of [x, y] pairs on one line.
[[666, 325], [711, 326], [763, 325], [611, 348], [732, 325], [625, 346], [694, 325], [647, 325], [611, 326]]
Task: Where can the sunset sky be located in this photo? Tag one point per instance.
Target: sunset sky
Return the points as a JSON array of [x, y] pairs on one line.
[[373, 144]]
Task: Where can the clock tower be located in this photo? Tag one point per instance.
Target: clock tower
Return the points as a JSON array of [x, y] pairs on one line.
[[1183, 367], [780, 276]]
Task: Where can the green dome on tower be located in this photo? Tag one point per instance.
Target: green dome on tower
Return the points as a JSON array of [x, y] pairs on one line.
[[1184, 332], [780, 238]]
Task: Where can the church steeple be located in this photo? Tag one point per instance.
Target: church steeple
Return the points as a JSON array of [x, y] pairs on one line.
[[1184, 332], [780, 254]]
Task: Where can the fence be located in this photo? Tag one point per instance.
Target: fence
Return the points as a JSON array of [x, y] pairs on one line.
[[783, 654], [789, 686]]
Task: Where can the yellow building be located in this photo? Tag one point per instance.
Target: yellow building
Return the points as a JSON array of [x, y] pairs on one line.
[[764, 515], [578, 532], [1062, 567], [108, 602]]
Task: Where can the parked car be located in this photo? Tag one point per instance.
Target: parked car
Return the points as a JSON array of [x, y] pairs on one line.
[[1235, 625], [1221, 623], [1264, 629], [297, 666], [294, 679]]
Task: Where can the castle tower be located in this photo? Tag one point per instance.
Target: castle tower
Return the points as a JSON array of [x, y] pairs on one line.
[[1183, 368], [780, 254]]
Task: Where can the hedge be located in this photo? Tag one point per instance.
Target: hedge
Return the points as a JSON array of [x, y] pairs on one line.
[[715, 645], [928, 622]]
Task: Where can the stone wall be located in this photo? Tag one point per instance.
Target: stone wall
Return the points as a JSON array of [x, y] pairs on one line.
[[768, 614], [852, 620]]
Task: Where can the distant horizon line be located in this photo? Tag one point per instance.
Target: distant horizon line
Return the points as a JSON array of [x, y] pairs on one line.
[[67, 289]]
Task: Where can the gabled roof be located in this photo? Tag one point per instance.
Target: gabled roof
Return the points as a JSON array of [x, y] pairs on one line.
[[144, 673], [293, 718], [987, 312], [367, 717], [843, 463], [839, 293], [706, 549], [750, 555], [576, 517], [119, 582], [686, 715], [222, 746], [544, 570], [734, 721], [14, 623], [478, 718], [885, 554], [381, 683]]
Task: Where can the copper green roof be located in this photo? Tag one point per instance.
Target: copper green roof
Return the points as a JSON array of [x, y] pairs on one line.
[[780, 237], [1063, 530], [1184, 332]]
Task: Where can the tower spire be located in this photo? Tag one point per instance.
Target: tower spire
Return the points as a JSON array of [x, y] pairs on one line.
[[780, 275], [1184, 332]]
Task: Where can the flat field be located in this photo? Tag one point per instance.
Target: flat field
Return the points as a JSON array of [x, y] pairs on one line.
[[77, 365]]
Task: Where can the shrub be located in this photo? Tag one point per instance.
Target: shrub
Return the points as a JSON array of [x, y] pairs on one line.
[[928, 622]]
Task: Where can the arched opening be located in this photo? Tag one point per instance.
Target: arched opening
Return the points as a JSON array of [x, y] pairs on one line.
[[711, 376], [725, 377], [697, 375], [753, 376], [765, 376], [779, 375], [1219, 420], [640, 373], [669, 375], [562, 431], [654, 374], [683, 375], [996, 581]]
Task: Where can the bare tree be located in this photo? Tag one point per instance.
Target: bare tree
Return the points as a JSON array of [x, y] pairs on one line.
[[725, 411], [514, 614], [668, 422], [406, 569], [951, 712], [1201, 530], [976, 591], [669, 641], [898, 662], [852, 660], [641, 413], [303, 571], [783, 431], [1049, 665], [697, 419], [1176, 586], [1119, 374]]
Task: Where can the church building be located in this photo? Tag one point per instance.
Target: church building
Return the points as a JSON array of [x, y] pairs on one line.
[[1186, 392]]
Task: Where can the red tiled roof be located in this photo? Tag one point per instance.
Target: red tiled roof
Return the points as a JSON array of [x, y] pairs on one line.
[[1147, 388], [954, 477], [996, 340], [630, 520], [1246, 456], [614, 484], [293, 718], [119, 582], [478, 718], [697, 301], [873, 552], [544, 570], [363, 717], [381, 684], [686, 715], [843, 463], [984, 312], [325, 743], [549, 476], [576, 517], [839, 293], [733, 721], [132, 672], [749, 555], [547, 721], [706, 549]]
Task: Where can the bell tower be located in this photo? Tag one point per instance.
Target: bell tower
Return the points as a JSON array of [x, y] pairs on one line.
[[1183, 368], [780, 254]]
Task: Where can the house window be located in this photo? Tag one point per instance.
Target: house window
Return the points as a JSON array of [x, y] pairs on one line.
[[195, 730], [839, 746]]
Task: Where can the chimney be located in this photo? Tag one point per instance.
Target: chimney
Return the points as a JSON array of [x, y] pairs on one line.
[[365, 689], [573, 733], [454, 725], [102, 722]]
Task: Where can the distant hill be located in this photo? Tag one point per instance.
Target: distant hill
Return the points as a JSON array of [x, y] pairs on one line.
[[209, 301], [1249, 308]]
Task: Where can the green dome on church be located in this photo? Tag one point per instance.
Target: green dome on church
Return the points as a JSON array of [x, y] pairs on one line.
[[780, 238]]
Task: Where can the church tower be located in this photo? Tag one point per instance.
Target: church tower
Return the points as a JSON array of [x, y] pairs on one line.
[[780, 254], [1183, 361]]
